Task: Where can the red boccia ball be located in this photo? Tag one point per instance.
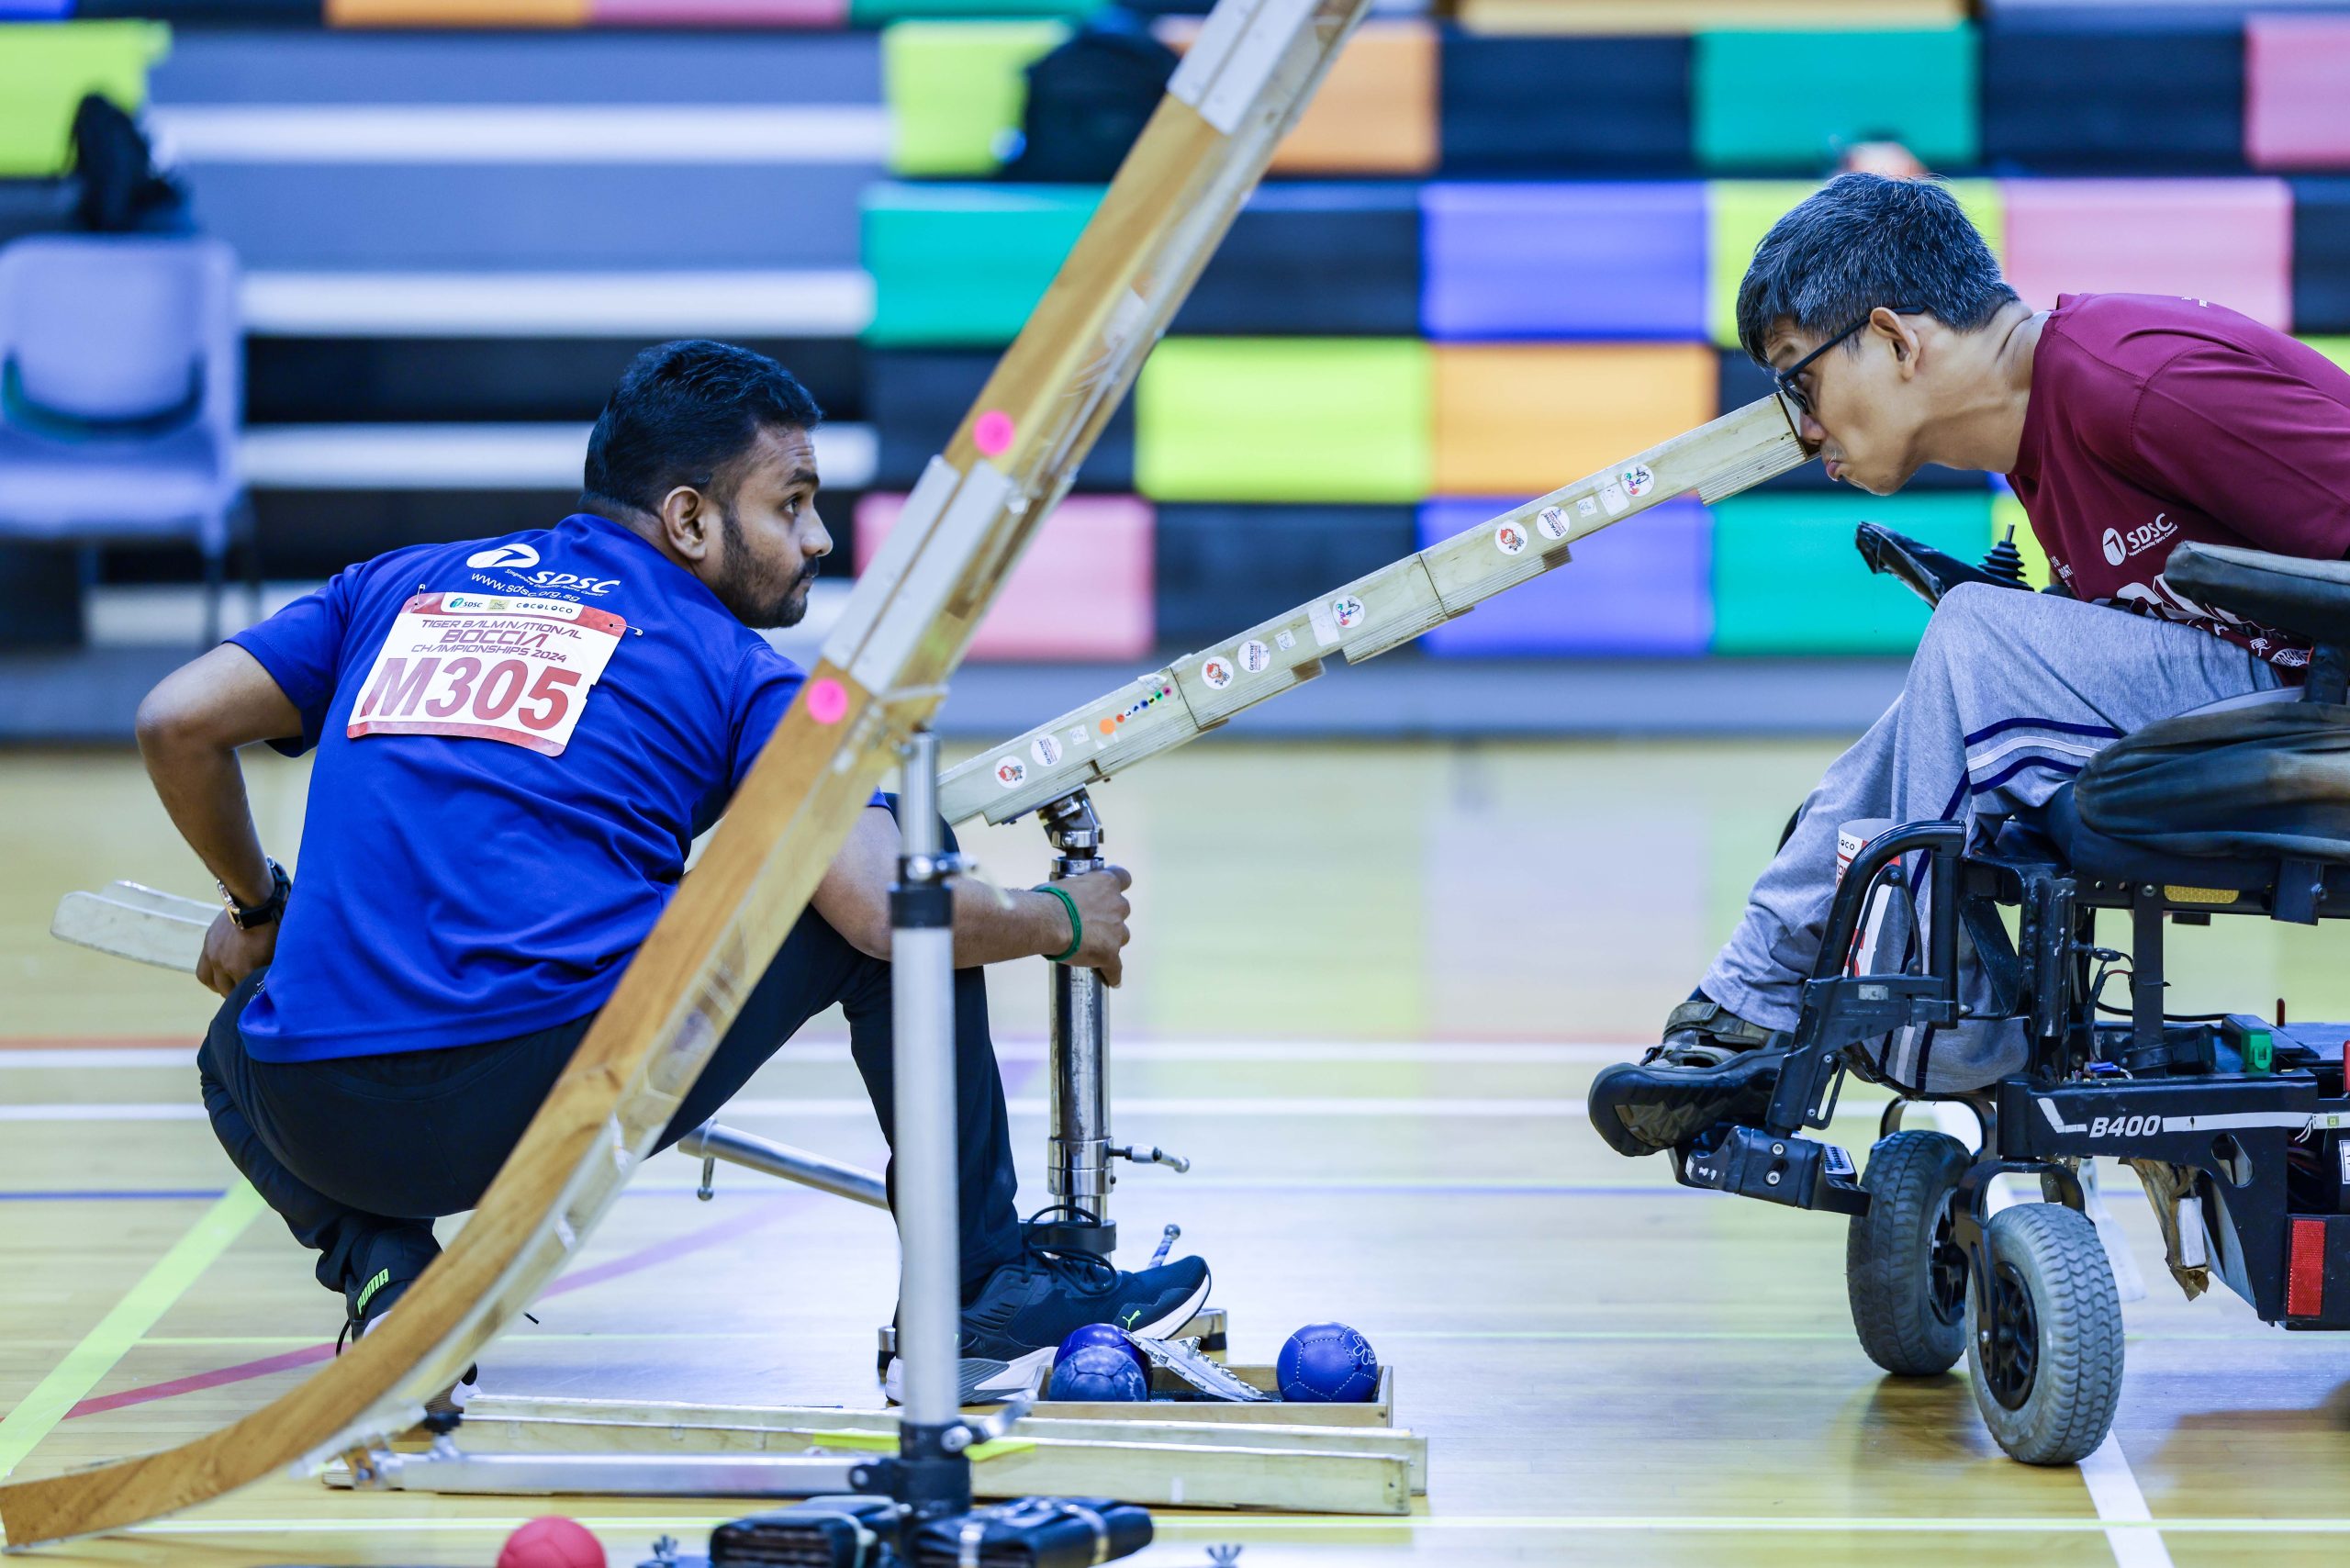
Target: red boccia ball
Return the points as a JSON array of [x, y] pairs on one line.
[[552, 1543]]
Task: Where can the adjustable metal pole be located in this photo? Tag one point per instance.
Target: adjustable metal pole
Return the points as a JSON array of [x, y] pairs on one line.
[[1077, 1067], [936, 1477]]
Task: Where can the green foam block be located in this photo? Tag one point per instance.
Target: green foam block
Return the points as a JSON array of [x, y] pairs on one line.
[[1740, 212], [963, 265], [45, 70], [1787, 580], [954, 88], [1793, 100], [1286, 420]]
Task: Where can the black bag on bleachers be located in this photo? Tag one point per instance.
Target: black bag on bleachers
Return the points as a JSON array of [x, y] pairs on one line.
[[122, 193], [1088, 99]]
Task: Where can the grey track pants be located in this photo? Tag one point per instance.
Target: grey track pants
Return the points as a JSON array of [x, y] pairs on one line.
[[2009, 694]]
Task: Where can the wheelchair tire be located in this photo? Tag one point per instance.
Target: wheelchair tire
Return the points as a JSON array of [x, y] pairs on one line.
[[1904, 1276], [2048, 1368]]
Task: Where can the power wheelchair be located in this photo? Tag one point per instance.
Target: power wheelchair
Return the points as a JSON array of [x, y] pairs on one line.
[[2239, 1126]]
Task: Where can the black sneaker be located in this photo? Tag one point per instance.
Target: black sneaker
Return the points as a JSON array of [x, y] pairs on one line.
[[1712, 1067], [367, 1302], [1028, 1307]]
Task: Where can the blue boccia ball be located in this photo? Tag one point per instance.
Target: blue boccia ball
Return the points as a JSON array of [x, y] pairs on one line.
[[1107, 1335], [1328, 1363], [1098, 1373]]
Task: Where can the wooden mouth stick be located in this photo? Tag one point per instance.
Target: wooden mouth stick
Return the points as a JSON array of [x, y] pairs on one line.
[[1364, 617]]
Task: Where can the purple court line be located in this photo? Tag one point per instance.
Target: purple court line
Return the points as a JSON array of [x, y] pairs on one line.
[[643, 1258]]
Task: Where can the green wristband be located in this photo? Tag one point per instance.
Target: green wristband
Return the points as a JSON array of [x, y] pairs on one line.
[[1076, 923]]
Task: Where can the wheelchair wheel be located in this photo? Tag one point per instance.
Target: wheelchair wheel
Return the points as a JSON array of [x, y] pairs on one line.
[[2047, 1366], [1905, 1277]]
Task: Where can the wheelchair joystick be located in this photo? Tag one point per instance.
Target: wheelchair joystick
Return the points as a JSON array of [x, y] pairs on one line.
[[2005, 561]]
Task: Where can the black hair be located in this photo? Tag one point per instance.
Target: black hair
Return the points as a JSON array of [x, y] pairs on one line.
[[1861, 241], [682, 413]]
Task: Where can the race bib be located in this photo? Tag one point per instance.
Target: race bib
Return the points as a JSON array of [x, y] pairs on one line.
[[491, 667]]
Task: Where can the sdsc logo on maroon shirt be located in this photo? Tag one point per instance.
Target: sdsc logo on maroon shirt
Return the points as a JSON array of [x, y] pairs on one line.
[[2119, 546]]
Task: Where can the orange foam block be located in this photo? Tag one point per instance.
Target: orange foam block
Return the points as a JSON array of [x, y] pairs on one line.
[[1083, 590], [456, 13], [1521, 419], [1375, 113]]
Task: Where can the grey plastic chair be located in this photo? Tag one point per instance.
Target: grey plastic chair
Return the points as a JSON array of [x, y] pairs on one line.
[[121, 390]]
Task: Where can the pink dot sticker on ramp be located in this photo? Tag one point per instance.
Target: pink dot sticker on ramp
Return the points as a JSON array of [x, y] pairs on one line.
[[991, 432], [827, 700]]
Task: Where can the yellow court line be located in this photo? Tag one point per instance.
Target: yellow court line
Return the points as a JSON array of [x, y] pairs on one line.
[[22, 1429]]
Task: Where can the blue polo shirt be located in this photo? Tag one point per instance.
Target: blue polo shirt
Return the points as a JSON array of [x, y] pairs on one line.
[[458, 887]]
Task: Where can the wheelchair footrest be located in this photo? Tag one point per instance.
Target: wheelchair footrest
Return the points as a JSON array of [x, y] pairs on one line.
[[1798, 1171]]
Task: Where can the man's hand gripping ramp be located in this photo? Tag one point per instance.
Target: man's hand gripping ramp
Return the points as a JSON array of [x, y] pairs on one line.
[[1365, 617], [903, 632]]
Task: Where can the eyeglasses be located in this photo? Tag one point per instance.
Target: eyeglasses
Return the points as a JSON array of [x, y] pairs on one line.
[[1786, 378]]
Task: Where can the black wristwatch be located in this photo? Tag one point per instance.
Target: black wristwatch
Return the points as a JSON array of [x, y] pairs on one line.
[[249, 916]]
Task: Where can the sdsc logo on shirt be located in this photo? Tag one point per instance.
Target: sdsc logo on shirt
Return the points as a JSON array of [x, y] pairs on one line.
[[515, 557], [2119, 546]]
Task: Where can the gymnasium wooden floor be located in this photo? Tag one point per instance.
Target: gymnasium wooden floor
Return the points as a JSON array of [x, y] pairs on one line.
[[1368, 987]]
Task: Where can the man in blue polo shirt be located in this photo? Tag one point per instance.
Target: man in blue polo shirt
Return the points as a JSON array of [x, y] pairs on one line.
[[518, 742]]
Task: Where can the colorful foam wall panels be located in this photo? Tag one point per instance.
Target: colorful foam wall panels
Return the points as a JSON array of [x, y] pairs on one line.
[[1544, 105], [1521, 419], [2226, 240], [963, 265], [1082, 591], [1305, 259], [1790, 100], [915, 398], [1284, 419], [1224, 566], [2322, 255], [1741, 213], [1638, 589], [2165, 94], [1566, 260], [1788, 580], [1690, 16], [955, 89], [46, 68], [2297, 92]]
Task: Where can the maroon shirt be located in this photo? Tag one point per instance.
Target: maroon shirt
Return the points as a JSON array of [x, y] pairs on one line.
[[2155, 420]]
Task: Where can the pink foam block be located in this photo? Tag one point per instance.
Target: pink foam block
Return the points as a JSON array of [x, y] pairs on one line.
[[1083, 591], [824, 14], [2297, 92], [2230, 241]]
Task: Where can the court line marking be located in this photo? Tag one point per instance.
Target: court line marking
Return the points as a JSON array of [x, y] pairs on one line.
[[731, 1228], [826, 1108], [145, 1054], [68, 1382], [1242, 1525], [2113, 1490]]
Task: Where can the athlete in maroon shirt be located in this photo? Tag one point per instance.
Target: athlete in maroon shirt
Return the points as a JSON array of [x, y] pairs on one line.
[[2126, 424]]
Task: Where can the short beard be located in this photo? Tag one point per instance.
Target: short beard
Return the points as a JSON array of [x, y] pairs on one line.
[[754, 601]]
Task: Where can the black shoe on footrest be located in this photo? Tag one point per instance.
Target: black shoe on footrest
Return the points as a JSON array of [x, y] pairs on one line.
[[1647, 1107]]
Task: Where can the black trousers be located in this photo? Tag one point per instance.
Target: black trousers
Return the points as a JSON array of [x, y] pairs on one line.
[[359, 1156]]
